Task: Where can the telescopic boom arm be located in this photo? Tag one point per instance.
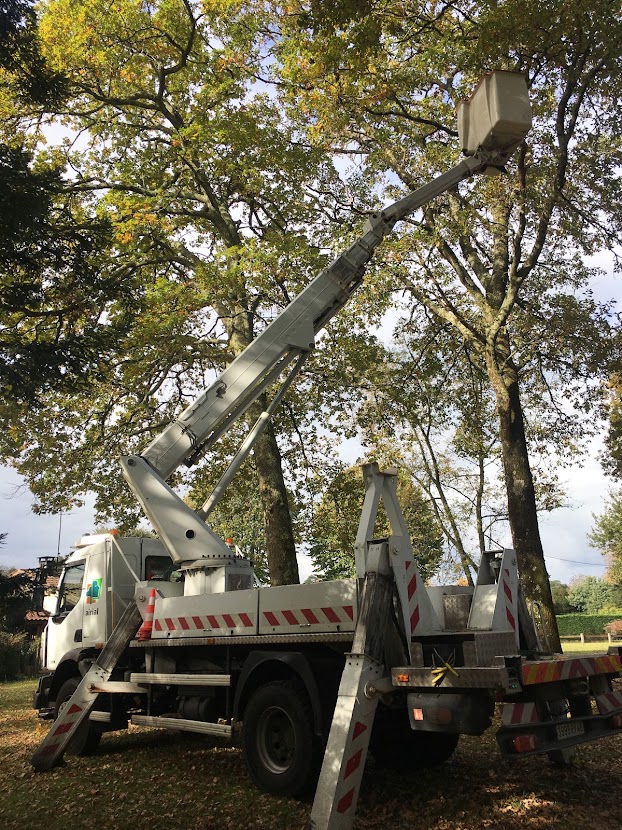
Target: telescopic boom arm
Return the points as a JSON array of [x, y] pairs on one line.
[[290, 337], [292, 333]]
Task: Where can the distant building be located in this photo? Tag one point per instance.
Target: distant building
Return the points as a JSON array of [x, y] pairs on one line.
[[38, 589], [44, 598]]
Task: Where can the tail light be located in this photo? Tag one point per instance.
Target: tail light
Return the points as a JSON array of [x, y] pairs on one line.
[[525, 743]]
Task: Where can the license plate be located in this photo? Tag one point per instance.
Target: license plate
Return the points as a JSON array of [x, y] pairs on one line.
[[569, 730]]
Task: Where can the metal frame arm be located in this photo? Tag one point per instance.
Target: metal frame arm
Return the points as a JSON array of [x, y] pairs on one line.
[[290, 335], [496, 119]]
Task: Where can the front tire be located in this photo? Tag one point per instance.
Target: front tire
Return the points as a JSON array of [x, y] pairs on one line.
[[281, 749], [87, 738]]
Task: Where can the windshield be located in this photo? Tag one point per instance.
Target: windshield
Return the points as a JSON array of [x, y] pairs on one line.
[[70, 588]]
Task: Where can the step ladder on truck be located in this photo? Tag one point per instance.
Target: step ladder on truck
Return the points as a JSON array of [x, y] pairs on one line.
[[317, 674]]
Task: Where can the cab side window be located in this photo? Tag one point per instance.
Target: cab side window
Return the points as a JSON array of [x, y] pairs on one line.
[[158, 567], [70, 588]]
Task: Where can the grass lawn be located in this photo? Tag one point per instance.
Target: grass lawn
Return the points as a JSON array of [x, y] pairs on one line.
[[153, 780], [575, 647], [586, 648]]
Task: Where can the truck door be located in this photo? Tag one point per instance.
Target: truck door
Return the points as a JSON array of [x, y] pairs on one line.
[[123, 564], [132, 559], [96, 599], [65, 630]]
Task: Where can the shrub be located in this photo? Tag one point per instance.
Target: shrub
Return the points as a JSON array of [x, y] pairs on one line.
[[18, 655], [614, 628], [570, 624]]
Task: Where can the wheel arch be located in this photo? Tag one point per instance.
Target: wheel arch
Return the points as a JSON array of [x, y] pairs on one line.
[[70, 666], [263, 667]]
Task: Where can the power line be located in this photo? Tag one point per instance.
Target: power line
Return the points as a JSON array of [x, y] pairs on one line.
[[576, 562]]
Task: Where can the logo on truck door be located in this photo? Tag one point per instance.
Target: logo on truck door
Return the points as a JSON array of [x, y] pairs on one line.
[[93, 591]]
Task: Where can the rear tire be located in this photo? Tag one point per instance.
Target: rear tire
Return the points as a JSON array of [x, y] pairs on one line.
[[281, 749], [394, 745], [87, 738]]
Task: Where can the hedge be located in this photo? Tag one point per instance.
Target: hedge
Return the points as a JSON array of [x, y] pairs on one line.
[[570, 624]]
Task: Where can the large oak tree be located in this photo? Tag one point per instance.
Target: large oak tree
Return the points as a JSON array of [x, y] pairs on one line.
[[500, 260], [212, 202]]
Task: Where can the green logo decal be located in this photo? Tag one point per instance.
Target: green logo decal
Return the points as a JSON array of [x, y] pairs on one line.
[[93, 591]]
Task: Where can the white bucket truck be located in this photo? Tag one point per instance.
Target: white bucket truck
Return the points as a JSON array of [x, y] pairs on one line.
[[318, 674]]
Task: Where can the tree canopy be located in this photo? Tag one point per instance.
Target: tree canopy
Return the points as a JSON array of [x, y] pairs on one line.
[[57, 321], [212, 202], [590, 595], [501, 261], [27, 74], [220, 148], [606, 536]]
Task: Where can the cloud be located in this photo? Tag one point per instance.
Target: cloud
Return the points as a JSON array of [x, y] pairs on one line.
[[29, 535]]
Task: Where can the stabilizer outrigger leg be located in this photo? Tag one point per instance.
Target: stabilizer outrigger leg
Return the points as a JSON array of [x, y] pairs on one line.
[[51, 750], [344, 761], [390, 574]]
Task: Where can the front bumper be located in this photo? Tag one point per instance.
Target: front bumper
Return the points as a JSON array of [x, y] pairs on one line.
[[41, 697]]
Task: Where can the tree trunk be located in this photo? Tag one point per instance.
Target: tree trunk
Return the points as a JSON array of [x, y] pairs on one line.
[[278, 530], [280, 546], [521, 495], [522, 511]]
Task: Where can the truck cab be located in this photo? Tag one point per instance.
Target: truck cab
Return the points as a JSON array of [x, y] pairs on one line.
[[98, 580]]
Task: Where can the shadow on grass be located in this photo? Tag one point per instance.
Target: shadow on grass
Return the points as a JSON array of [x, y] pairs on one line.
[[117, 743]]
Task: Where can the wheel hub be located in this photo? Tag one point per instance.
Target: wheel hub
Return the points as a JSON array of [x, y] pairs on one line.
[[276, 740]]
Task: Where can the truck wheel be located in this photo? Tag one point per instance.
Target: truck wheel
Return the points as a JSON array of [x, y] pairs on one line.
[[281, 749], [395, 745], [88, 736]]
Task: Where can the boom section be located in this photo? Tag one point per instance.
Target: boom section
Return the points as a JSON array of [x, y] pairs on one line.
[[289, 335]]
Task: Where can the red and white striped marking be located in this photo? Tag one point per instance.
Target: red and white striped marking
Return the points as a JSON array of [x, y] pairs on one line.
[[509, 599], [305, 617], [514, 714], [355, 750], [61, 726], [609, 702], [547, 671], [206, 622], [412, 584]]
